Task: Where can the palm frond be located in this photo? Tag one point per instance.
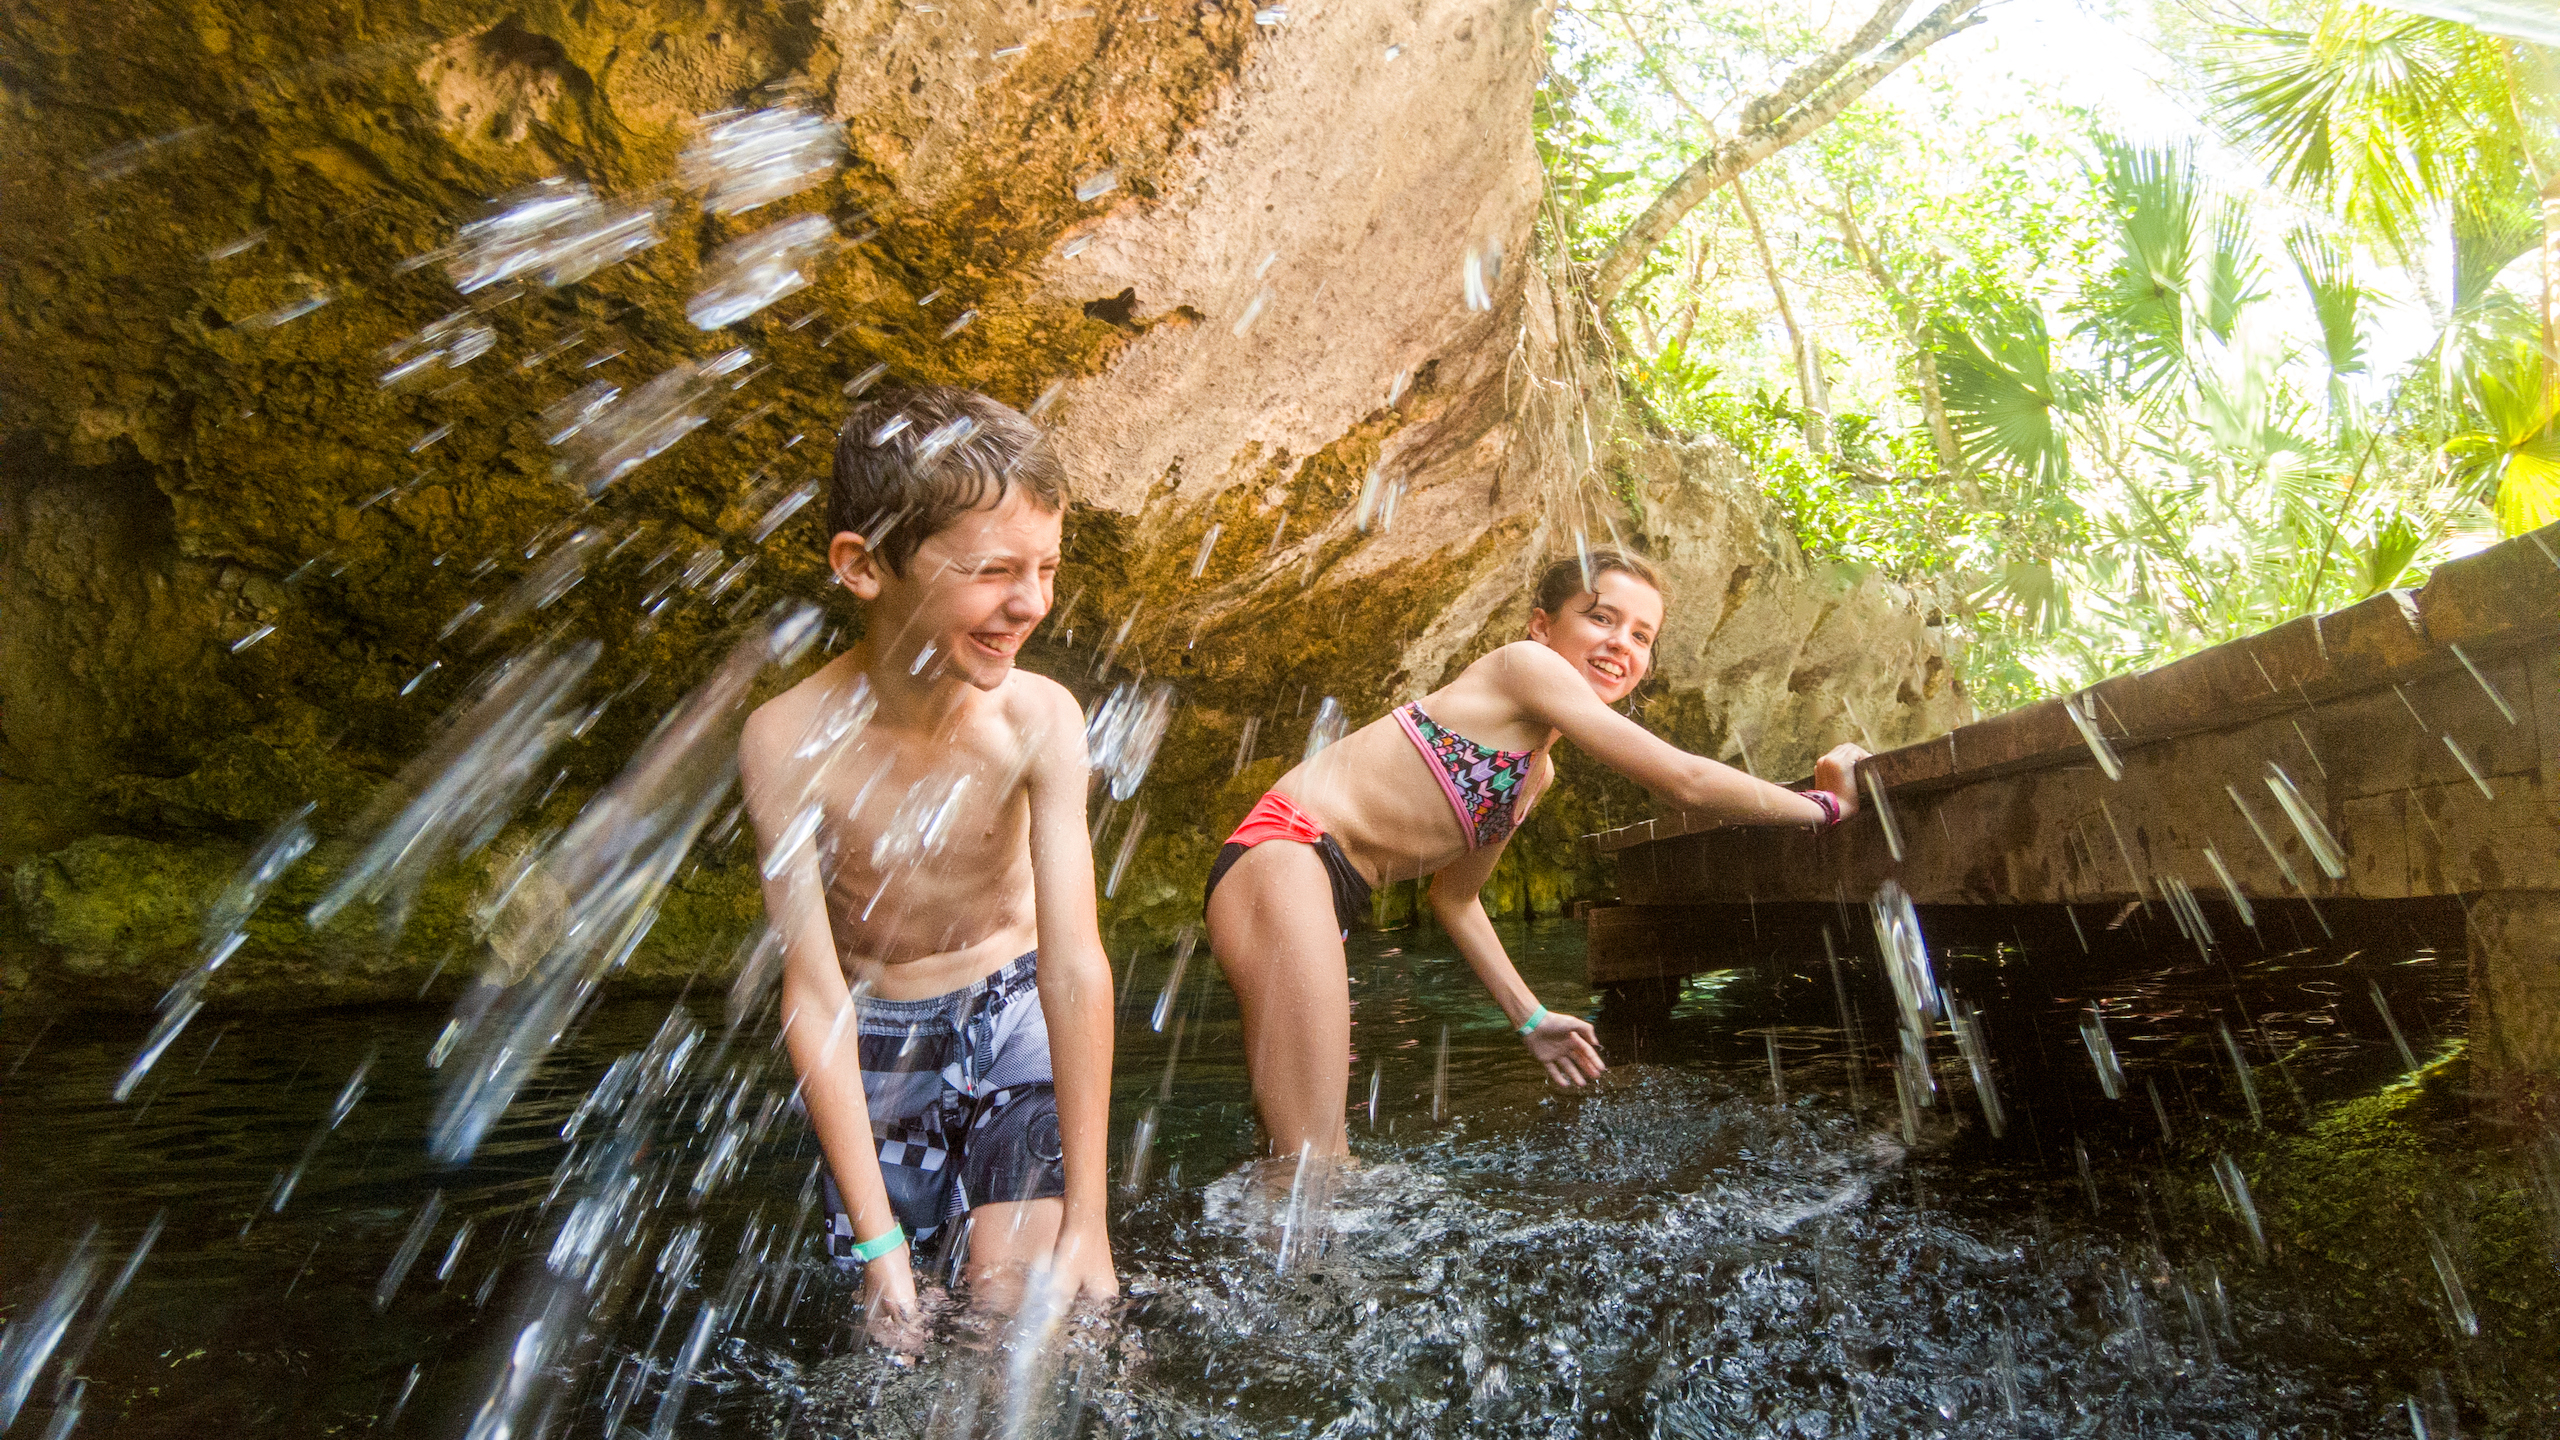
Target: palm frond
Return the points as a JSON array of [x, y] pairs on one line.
[[2338, 301], [1996, 377]]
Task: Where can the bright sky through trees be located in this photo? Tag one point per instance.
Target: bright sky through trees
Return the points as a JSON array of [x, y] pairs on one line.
[[2087, 319]]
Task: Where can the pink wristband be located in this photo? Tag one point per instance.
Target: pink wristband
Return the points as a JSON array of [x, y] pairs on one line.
[[1827, 802]]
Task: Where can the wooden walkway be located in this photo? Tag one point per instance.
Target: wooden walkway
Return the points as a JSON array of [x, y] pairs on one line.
[[2404, 748]]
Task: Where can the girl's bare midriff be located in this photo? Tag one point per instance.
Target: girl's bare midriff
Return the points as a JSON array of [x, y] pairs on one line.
[[1375, 793]]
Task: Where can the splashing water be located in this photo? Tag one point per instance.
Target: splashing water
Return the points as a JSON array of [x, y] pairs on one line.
[[612, 437], [553, 232], [446, 344], [752, 272], [469, 781], [743, 161], [1124, 733], [1329, 725], [610, 870], [1670, 1254]]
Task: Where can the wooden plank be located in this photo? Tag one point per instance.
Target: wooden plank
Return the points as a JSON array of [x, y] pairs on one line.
[[2502, 595], [2355, 707]]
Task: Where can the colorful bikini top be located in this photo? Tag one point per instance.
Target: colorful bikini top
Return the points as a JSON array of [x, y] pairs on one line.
[[1482, 785]]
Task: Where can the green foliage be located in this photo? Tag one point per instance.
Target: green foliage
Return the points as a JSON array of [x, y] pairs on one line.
[[2379, 115], [1995, 370], [2110, 408]]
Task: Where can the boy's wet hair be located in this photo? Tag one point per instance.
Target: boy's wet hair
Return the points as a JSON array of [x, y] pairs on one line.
[[912, 459], [1566, 578]]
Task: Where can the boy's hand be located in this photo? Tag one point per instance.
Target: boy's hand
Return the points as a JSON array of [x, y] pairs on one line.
[[1568, 1047], [1837, 772], [1080, 1268], [891, 1315]]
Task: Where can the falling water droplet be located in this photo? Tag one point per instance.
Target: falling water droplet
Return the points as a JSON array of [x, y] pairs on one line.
[[2248, 1078], [2102, 1052], [2408, 1057], [2097, 743], [1440, 1078]]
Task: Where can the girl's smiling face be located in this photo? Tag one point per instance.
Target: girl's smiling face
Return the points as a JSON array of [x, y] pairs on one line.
[[1607, 632]]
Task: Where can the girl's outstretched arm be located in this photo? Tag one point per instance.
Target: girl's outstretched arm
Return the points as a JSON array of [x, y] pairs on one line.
[[1565, 1044], [1550, 691]]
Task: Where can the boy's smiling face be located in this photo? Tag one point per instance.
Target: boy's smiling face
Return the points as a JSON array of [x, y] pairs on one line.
[[974, 590]]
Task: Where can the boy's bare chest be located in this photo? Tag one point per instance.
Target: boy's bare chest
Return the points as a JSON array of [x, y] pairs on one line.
[[913, 807]]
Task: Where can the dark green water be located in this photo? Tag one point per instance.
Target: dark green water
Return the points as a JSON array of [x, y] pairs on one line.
[[1682, 1253]]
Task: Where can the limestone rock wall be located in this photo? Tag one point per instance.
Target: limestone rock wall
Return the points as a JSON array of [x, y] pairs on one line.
[[1265, 315]]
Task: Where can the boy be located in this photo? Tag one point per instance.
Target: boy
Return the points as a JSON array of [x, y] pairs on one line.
[[925, 858]]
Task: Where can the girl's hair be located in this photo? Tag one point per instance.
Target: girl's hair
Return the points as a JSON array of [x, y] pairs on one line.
[[1566, 578]]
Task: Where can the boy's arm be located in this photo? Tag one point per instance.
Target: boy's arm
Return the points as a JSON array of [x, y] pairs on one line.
[[1075, 989], [1564, 1044], [818, 1019]]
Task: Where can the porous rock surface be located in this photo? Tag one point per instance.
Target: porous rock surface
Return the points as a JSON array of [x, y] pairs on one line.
[[1265, 315]]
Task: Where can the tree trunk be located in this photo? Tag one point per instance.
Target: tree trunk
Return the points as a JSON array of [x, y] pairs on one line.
[[1772, 123], [1817, 400], [1924, 359]]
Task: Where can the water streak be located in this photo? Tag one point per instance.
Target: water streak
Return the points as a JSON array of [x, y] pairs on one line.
[[752, 272], [1126, 729], [467, 784], [553, 232], [743, 161], [2102, 1053], [610, 870], [615, 437]]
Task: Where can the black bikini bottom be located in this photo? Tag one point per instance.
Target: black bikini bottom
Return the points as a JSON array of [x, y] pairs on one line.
[[1350, 887]]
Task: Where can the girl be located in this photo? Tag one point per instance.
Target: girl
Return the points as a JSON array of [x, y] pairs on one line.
[[1436, 789]]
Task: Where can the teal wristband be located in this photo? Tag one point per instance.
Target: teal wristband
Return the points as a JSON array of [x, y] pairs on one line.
[[1536, 1018], [880, 1244]]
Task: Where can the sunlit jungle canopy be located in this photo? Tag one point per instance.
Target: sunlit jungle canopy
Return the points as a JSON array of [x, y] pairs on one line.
[[1346, 318]]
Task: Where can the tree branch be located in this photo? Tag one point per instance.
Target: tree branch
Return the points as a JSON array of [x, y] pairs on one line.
[[1817, 72], [1731, 158], [1817, 402]]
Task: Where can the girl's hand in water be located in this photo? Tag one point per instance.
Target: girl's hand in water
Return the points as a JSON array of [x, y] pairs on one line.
[[1569, 1048], [1837, 772], [891, 1315]]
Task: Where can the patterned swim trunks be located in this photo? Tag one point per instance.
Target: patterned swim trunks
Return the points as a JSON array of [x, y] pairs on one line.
[[963, 1105]]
